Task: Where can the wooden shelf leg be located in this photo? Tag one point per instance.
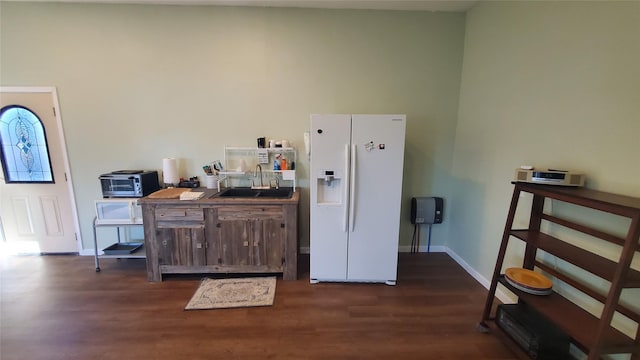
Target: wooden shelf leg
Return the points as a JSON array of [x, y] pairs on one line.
[[486, 314], [630, 245]]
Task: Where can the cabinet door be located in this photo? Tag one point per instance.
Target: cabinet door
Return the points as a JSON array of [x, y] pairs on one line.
[[250, 235], [228, 235], [268, 243], [180, 236], [236, 237], [181, 246]]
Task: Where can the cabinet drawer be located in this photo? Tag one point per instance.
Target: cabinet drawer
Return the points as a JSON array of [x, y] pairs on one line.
[[250, 212], [179, 214]]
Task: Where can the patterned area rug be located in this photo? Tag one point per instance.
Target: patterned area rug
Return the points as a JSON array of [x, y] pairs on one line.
[[232, 293]]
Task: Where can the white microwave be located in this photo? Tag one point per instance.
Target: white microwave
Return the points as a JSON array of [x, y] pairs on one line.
[[118, 211]]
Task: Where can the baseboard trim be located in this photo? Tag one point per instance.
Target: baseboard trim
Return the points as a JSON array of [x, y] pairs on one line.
[[501, 295], [407, 249], [402, 249]]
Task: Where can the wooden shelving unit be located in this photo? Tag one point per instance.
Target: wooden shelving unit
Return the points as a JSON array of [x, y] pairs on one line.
[[593, 334]]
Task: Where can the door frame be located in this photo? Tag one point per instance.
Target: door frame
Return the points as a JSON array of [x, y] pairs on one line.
[[63, 145]]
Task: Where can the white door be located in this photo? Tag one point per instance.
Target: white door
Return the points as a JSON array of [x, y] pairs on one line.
[[38, 217], [329, 179], [377, 163]]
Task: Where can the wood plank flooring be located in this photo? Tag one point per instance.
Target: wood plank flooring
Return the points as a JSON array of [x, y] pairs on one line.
[[58, 307]]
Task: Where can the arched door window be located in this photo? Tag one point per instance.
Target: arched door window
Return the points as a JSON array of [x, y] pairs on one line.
[[24, 151]]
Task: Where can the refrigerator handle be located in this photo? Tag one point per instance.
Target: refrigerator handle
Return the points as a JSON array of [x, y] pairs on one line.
[[352, 192], [346, 188]]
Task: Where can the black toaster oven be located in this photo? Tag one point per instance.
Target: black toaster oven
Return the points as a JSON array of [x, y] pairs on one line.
[[129, 183]]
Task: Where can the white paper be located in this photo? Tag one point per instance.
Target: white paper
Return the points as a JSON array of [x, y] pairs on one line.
[[170, 171], [263, 156]]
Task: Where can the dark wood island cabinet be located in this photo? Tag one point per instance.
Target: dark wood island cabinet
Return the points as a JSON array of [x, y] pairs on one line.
[[221, 235]]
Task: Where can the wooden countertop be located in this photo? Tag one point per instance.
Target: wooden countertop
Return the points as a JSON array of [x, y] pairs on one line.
[[210, 198]]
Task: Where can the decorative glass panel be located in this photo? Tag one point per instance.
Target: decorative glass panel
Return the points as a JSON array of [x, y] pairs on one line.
[[24, 151]]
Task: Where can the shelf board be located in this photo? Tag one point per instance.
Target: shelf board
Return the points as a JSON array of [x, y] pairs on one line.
[[614, 203], [116, 223], [576, 322], [265, 171], [233, 172], [129, 256], [141, 253], [585, 229], [602, 298], [241, 148], [587, 260]]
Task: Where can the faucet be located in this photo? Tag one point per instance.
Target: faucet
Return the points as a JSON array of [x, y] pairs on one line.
[[255, 173]]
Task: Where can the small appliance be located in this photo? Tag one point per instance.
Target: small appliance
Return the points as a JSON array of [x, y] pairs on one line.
[[538, 337], [118, 212], [129, 183], [426, 210], [549, 177]]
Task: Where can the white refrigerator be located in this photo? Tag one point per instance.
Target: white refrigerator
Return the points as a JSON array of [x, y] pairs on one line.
[[356, 189]]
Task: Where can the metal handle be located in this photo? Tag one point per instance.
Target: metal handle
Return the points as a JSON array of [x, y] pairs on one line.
[[132, 214], [346, 188], [352, 191]]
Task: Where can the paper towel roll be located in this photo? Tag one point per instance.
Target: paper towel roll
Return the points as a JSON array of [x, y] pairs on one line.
[[170, 171]]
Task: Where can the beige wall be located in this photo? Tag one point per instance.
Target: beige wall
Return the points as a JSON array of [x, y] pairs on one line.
[[140, 83], [553, 84], [549, 84]]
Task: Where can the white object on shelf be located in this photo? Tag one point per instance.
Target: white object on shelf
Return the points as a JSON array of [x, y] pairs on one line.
[[118, 211], [213, 182], [263, 156]]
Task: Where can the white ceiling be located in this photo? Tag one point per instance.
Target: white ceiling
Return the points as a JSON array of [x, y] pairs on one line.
[[410, 5]]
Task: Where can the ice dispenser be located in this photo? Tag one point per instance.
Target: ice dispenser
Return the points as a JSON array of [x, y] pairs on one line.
[[328, 177], [329, 187]]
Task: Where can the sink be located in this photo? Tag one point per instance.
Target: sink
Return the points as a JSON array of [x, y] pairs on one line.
[[239, 192], [281, 193]]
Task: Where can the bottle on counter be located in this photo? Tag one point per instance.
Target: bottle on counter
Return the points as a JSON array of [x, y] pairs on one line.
[[276, 162]]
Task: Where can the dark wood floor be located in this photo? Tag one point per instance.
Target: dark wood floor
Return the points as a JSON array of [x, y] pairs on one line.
[[58, 307]]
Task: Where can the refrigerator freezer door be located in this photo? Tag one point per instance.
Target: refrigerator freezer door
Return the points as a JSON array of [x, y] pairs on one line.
[[329, 177], [377, 183]]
